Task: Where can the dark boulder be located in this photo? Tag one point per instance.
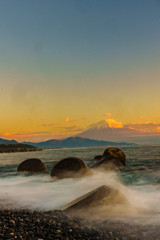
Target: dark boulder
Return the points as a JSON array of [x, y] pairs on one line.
[[32, 165], [115, 153], [98, 157], [106, 164], [70, 168]]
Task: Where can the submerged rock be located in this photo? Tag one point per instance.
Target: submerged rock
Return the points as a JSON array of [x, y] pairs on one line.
[[70, 168], [115, 153], [32, 165]]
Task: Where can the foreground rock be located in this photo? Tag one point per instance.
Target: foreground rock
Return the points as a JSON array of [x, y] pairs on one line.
[[101, 201], [70, 168], [32, 165]]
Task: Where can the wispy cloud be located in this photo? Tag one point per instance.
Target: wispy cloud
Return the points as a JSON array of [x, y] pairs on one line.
[[72, 127], [142, 117], [68, 120], [83, 118], [107, 115], [50, 124], [145, 126], [53, 124], [22, 134]]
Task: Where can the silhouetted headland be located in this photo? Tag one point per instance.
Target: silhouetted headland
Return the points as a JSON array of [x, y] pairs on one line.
[[9, 148]]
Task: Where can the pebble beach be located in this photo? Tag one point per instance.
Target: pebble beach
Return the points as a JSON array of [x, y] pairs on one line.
[[38, 225]]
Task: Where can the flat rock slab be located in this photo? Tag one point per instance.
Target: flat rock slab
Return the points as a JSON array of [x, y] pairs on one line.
[[101, 196]]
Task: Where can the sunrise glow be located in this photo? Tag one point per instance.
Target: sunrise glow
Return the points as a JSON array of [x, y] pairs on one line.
[[71, 67]]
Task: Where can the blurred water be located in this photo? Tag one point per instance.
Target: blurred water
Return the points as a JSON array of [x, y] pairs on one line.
[[139, 181]]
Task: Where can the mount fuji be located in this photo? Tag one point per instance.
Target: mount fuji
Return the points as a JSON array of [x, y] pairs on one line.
[[110, 130]]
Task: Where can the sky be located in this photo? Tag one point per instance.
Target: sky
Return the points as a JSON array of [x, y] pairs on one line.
[[65, 65]]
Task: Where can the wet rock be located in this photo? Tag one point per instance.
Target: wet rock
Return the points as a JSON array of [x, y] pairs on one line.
[[115, 153], [32, 165], [108, 165], [98, 157], [70, 168], [95, 201], [112, 159]]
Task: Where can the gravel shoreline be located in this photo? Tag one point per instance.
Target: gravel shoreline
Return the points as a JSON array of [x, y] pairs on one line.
[[38, 225]]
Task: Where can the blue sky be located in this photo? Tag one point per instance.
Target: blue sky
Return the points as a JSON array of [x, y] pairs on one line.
[[102, 33]]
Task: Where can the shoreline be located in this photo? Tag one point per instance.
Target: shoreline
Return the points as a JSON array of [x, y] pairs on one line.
[[14, 150], [56, 224]]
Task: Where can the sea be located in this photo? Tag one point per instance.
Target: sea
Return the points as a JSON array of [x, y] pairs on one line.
[[139, 182]]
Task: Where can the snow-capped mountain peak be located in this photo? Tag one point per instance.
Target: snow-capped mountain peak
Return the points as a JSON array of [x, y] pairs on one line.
[[107, 123]]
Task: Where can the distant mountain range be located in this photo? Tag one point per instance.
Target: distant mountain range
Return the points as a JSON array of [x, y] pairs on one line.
[[106, 132], [4, 141], [72, 142]]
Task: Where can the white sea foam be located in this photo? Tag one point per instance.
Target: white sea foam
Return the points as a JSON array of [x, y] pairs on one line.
[[41, 192]]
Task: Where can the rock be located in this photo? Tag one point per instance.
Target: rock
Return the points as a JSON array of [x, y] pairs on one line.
[[98, 157], [112, 159], [115, 153], [102, 200], [32, 165], [108, 165], [70, 167]]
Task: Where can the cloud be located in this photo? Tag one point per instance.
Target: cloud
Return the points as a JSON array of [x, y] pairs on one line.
[[145, 126], [83, 118], [53, 124], [142, 117], [107, 115], [72, 127], [50, 124], [19, 134], [68, 120], [158, 128]]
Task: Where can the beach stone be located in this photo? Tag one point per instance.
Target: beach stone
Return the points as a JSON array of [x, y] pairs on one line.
[[115, 153], [32, 165], [99, 198], [70, 167]]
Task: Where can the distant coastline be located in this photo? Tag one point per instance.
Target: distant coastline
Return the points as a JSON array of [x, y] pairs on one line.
[[10, 148]]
